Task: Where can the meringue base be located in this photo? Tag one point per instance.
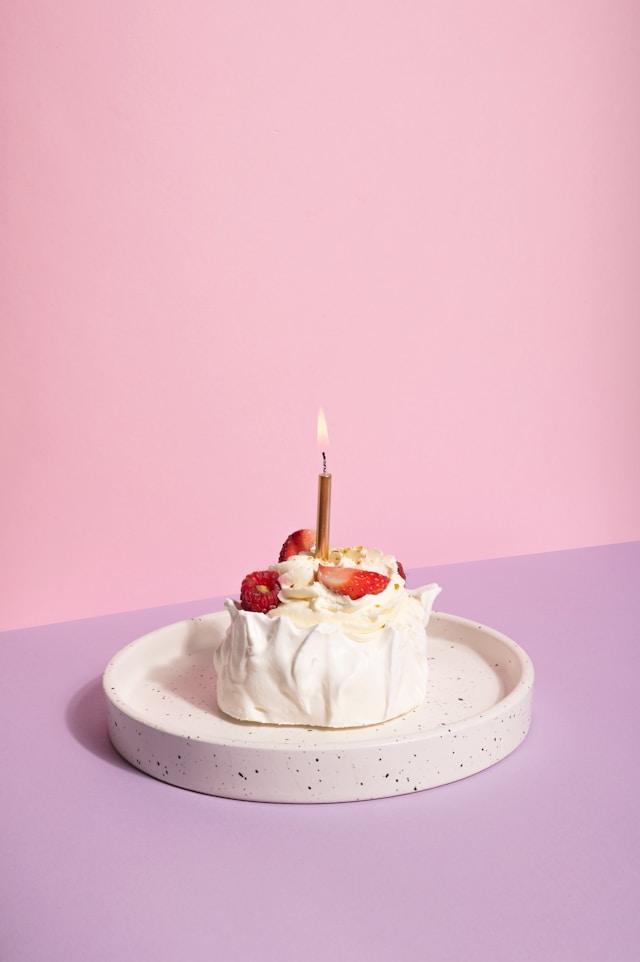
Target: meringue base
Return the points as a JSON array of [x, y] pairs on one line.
[[271, 671]]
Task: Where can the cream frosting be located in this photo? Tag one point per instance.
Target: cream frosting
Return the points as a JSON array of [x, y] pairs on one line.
[[323, 659]]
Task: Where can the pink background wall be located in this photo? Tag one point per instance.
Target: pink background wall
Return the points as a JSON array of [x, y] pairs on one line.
[[424, 216]]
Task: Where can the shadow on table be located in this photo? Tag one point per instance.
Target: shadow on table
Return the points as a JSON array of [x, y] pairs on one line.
[[87, 721]]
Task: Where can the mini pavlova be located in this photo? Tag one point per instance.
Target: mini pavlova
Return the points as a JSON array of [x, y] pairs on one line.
[[339, 643]]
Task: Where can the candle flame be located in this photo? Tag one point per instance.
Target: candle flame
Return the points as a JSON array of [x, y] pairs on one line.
[[323, 434]]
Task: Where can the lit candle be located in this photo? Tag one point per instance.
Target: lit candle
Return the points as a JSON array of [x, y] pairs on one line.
[[324, 494]]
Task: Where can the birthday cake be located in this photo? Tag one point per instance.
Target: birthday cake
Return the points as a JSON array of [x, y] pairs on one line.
[[337, 642]]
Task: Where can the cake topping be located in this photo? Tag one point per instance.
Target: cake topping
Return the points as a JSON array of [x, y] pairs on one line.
[[353, 582], [355, 587], [302, 540], [259, 591]]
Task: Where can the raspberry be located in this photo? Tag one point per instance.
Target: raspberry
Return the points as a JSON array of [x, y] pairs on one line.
[[259, 591]]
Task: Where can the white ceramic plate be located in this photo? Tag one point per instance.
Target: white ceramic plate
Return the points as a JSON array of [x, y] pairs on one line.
[[163, 718]]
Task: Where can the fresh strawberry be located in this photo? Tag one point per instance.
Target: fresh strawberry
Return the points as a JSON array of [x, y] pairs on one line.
[[302, 540], [259, 591], [353, 582], [401, 571]]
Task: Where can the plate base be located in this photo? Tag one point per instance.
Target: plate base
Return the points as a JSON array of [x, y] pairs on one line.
[[163, 719]]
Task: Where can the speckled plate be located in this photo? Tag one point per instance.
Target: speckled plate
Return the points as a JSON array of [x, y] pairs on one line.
[[163, 718]]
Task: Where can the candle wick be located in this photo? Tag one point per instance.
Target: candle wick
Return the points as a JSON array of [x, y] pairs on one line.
[[324, 463]]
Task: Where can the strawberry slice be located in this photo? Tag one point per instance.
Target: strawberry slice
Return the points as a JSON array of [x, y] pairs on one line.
[[259, 591], [401, 571], [302, 540], [353, 582]]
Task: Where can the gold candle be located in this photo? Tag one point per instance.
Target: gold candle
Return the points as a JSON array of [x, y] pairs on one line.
[[324, 496]]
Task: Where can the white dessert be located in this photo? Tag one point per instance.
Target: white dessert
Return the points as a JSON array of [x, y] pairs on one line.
[[323, 659]]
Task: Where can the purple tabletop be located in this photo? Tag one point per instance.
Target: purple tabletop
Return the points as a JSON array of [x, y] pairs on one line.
[[536, 858]]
